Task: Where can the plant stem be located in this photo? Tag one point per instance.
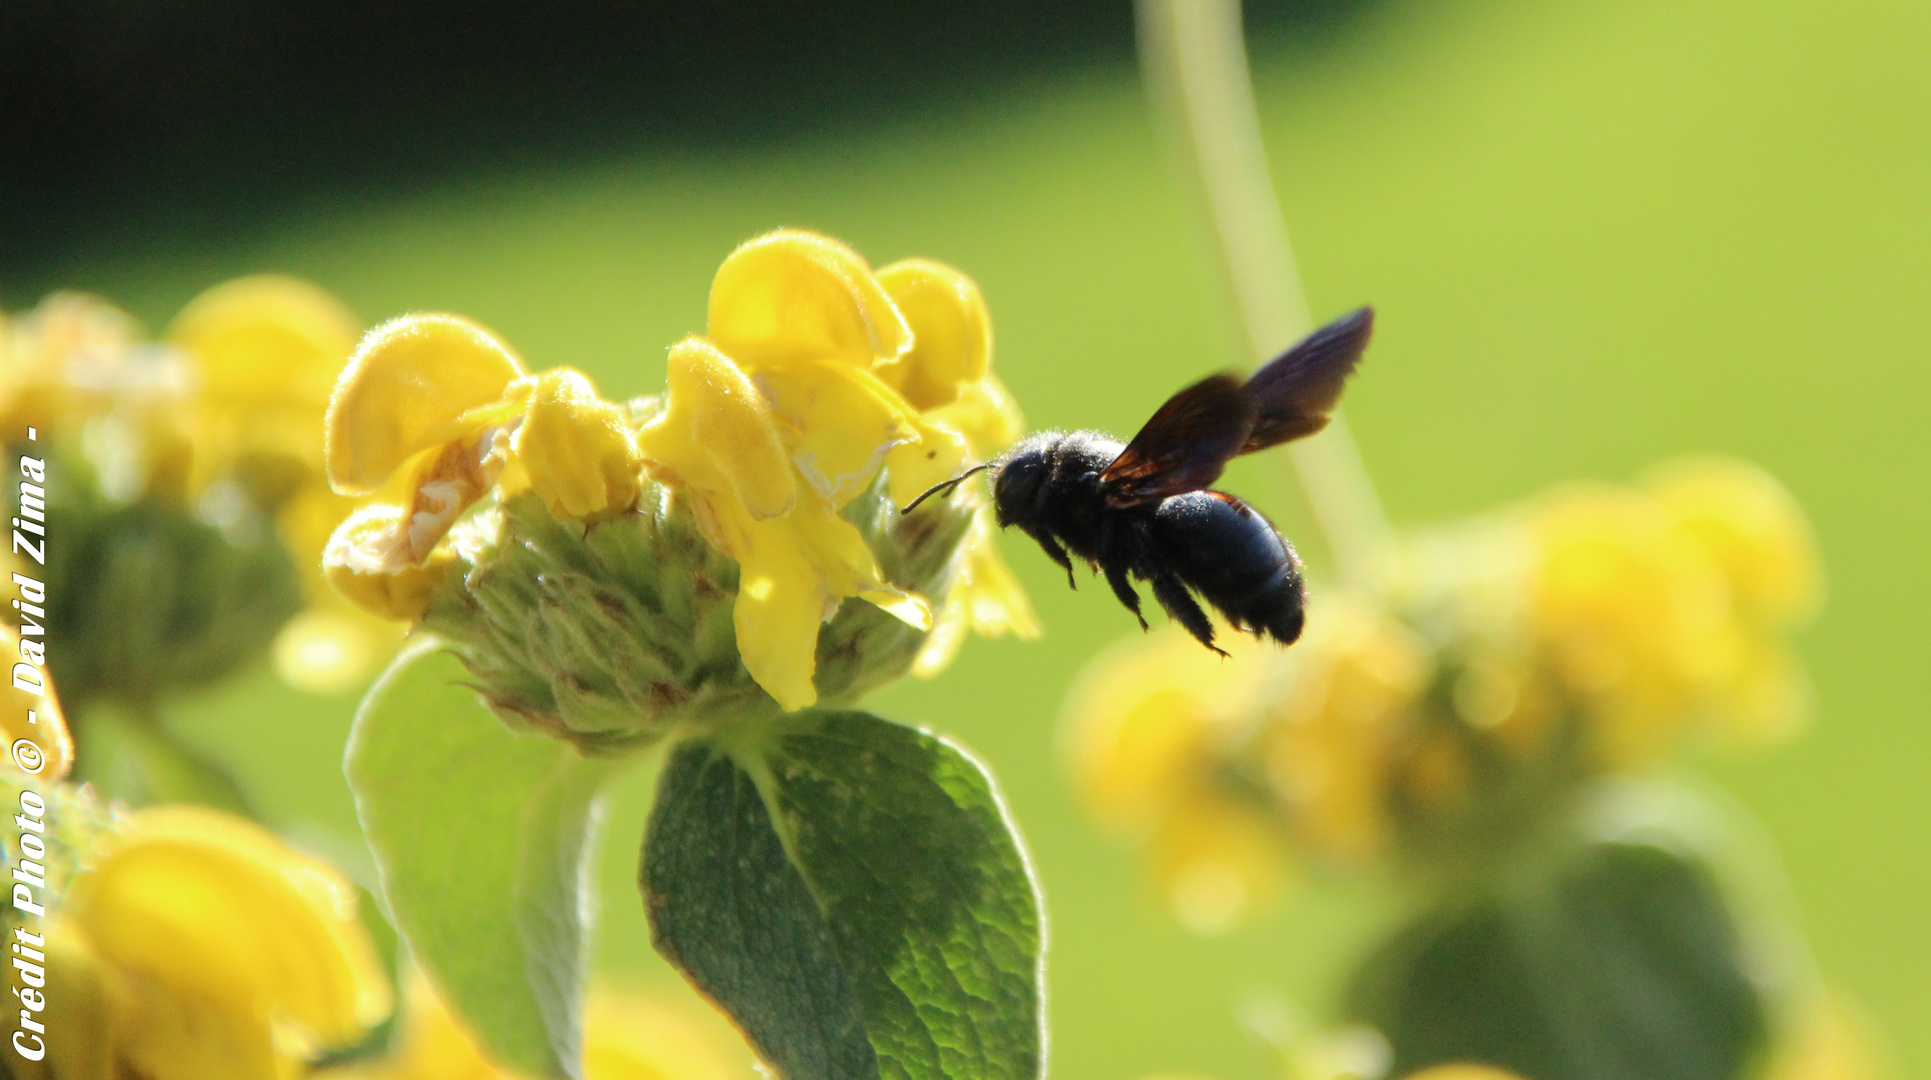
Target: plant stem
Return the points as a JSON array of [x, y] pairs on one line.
[[1195, 63]]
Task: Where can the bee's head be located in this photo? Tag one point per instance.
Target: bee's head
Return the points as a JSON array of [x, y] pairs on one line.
[[1018, 476]]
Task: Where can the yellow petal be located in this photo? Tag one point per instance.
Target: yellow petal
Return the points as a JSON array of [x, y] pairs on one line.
[[839, 423], [208, 905], [933, 456], [985, 414], [793, 572], [1754, 529], [576, 448], [780, 606], [717, 433], [1463, 1071], [631, 1037], [837, 549], [792, 296], [996, 602], [329, 649], [266, 341], [32, 718], [1144, 717], [415, 382], [1217, 861], [86, 1015], [178, 1033], [983, 597], [951, 332], [368, 564]]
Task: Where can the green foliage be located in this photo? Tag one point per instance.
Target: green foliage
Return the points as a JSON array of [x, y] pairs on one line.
[[1618, 963], [852, 893], [481, 836]]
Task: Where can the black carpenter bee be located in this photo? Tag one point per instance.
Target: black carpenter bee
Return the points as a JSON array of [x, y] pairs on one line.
[[1144, 510]]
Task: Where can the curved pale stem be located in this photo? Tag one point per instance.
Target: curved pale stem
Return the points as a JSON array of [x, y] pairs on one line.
[[1195, 64]]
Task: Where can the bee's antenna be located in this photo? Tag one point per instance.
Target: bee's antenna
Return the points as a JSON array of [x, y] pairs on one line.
[[945, 487]]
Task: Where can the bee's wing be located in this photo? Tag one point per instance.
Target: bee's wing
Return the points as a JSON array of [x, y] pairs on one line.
[[1185, 445], [1295, 391]]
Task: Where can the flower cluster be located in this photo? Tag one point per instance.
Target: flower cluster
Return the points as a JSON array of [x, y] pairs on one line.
[[191, 485], [1437, 718], [579, 552]]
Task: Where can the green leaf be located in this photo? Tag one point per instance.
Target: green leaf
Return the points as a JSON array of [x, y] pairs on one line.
[[481, 836], [851, 892], [1618, 963]]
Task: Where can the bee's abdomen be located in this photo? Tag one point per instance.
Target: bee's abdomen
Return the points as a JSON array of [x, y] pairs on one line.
[[1233, 557]]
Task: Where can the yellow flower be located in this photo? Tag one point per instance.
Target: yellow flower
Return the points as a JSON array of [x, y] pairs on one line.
[[1667, 604], [789, 408], [627, 1036], [1357, 674], [441, 411], [266, 351], [1149, 720], [194, 946], [77, 365], [1633, 615], [1148, 730], [1217, 861], [64, 362], [1758, 538]]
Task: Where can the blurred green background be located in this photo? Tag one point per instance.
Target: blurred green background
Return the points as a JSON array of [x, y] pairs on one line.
[[1599, 234]]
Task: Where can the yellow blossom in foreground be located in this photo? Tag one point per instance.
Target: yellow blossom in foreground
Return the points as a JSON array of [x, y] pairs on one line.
[[439, 410], [790, 407], [626, 1036], [815, 374], [194, 946]]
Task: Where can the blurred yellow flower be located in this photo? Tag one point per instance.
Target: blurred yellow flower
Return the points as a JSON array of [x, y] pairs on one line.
[[627, 1036], [1495, 668], [1331, 732], [265, 351], [192, 945], [222, 417]]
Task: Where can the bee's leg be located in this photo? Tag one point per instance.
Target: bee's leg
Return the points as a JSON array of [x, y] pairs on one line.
[[1056, 553], [1180, 604], [1122, 588]]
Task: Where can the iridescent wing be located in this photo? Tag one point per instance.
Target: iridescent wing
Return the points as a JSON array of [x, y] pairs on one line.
[[1294, 393], [1185, 445]]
